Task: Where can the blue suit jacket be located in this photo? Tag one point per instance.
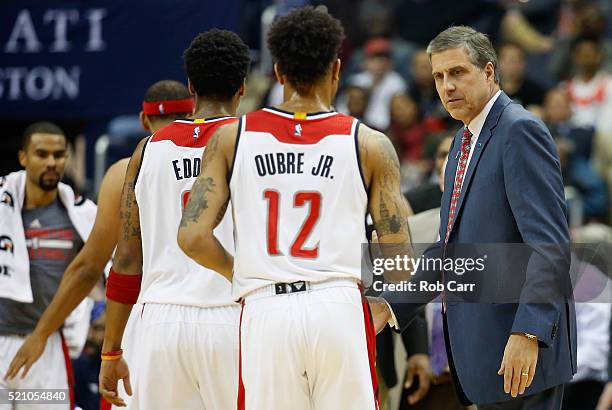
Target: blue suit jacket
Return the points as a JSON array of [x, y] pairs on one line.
[[512, 194]]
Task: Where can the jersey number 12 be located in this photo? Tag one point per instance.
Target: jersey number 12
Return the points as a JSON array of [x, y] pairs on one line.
[[300, 199]]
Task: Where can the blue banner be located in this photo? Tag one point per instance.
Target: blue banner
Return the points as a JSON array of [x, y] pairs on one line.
[[92, 59]]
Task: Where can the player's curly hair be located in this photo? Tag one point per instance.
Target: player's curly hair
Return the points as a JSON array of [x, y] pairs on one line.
[[216, 63], [304, 44]]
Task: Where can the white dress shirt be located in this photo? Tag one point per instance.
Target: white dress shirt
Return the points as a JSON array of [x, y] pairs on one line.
[[475, 127]]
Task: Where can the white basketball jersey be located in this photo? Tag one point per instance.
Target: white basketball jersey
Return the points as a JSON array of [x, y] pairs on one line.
[[298, 197], [171, 162]]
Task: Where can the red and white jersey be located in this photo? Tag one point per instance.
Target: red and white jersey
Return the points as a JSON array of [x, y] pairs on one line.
[[298, 197], [171, 161]]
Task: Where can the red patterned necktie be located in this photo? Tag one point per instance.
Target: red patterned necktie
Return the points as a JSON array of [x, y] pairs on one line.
[[461, 168]]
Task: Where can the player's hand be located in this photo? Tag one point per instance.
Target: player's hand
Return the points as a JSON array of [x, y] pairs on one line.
[[380, 313], [29, 352], [605, 400], [518, 365], [418, 365], [111, 372]]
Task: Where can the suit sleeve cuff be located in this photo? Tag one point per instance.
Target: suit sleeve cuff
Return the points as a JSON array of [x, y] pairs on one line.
[[392, 320]]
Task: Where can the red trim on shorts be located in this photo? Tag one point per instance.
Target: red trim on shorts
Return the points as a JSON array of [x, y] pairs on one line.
[[370, 335], [241, 400], [69, 372], [104, 405]]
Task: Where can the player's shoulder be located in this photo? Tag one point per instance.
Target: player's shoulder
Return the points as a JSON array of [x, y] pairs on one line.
[[192, 133], [370, 137], [375, 148], [118, 169]]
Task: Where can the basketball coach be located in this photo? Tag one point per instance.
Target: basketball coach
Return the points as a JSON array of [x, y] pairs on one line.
[[503, 185]]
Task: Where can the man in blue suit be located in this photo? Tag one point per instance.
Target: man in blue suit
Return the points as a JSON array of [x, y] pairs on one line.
[[503, 186]]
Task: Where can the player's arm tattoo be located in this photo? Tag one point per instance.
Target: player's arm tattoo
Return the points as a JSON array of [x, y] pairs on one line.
[[197, 200], [390, 212], [128, 255], [131, 226], [202, 188]]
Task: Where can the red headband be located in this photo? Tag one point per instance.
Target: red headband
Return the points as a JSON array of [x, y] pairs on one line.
[[168, 107]]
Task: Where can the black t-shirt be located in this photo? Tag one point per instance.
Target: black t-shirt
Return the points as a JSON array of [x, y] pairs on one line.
[[529, 93]]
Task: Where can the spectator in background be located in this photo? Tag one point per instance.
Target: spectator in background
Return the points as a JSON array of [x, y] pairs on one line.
[[591, 88], [409, 131], [87, 366], [423, 89], [357, 99], [406, 131], [381, 81], [429, 194], [512, 62], [574, 145], [377, 20], [579, 19]]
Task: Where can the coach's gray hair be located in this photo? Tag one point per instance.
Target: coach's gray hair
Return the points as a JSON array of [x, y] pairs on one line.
[[476, 44]]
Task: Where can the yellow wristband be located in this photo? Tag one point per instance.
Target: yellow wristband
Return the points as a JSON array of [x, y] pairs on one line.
[[110, 358], [114, 355]]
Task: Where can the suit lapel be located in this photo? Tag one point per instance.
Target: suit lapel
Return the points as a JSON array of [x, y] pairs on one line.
[[485, 135]]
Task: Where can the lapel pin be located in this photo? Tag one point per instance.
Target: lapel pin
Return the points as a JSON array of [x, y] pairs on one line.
[[479, 145]]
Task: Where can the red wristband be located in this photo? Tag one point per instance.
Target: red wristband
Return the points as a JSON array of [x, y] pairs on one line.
[[123, 288]]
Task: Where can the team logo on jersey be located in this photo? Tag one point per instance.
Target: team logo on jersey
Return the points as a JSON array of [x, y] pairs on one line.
[[298, 130], [6, 244], [7, 199], [161, 109], [196, 133]]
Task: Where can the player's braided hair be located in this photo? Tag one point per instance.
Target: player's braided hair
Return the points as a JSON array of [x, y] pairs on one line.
[[217, 62], [304, 44]]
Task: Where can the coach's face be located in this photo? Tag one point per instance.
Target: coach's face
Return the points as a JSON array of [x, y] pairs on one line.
[[464, 89]]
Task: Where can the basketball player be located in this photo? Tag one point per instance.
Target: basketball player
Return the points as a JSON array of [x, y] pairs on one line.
[[42, 227], [301, 179], [187, 356], [84, 270]]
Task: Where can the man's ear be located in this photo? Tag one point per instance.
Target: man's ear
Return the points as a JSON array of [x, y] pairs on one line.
[[242, 89], [336, 70], [23, 160], [144, 121], [490, 71], [190, 87], [278, 75]]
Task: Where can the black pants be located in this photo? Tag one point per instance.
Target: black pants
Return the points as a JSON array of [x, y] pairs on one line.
[[582, 395], [549, 399]]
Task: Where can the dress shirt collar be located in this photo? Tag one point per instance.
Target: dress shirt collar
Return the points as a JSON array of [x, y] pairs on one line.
[[475, 126]]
